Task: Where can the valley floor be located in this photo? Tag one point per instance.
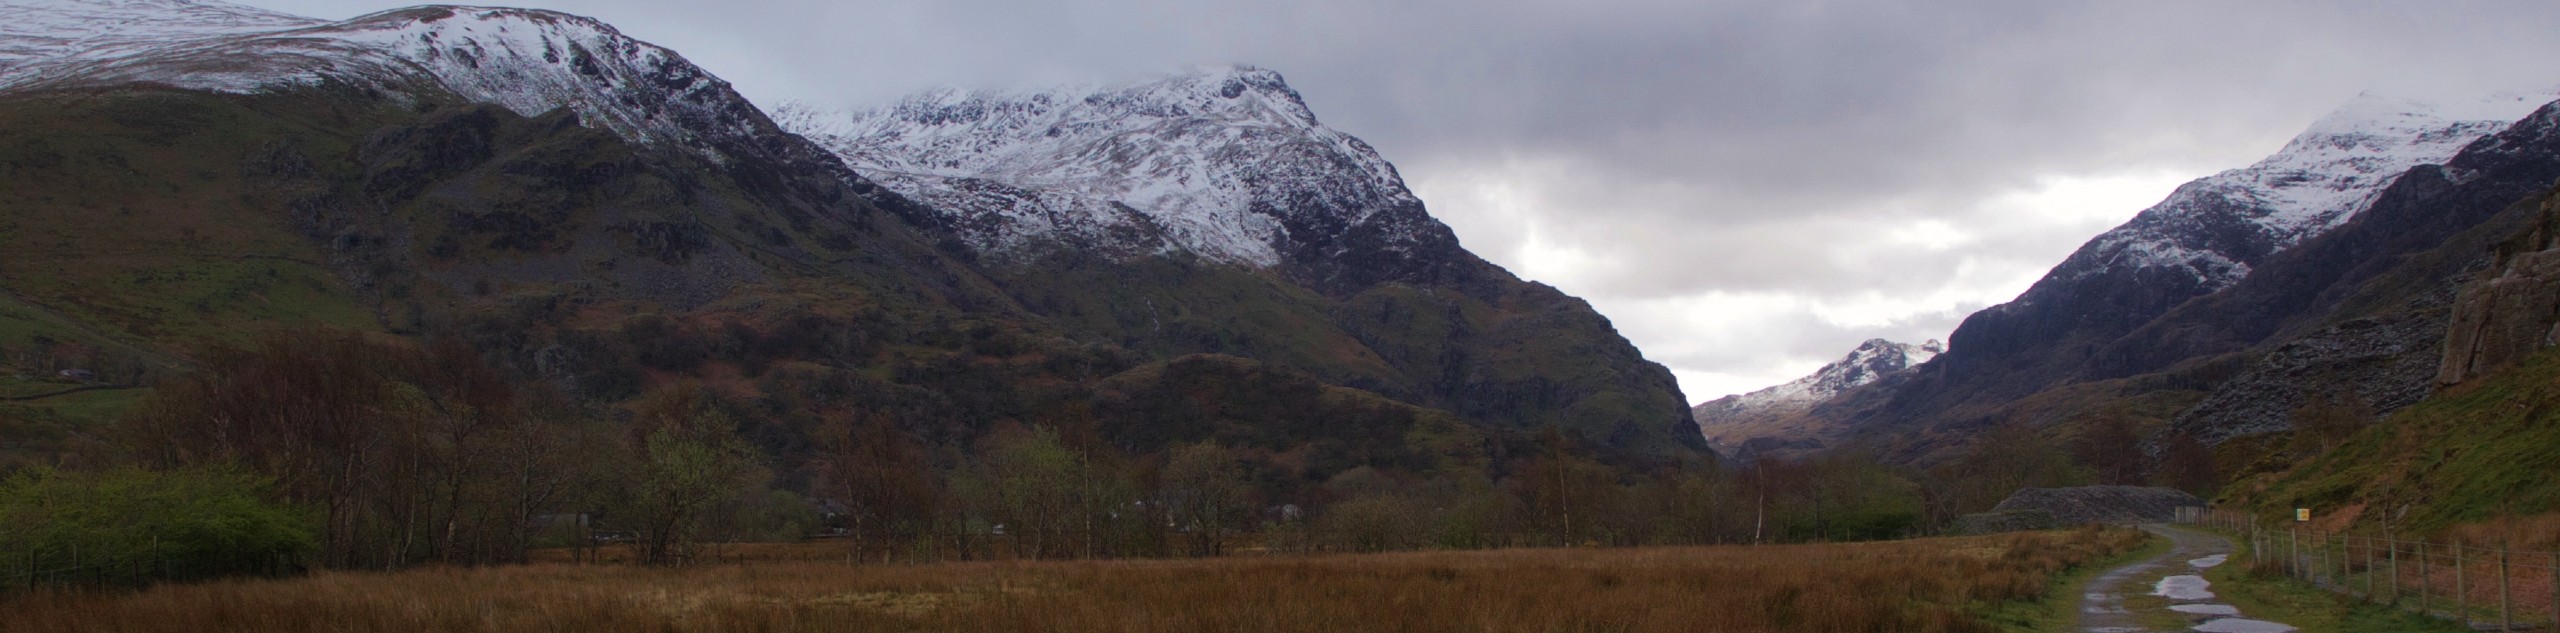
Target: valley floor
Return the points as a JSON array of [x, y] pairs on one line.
[[1942, 584]]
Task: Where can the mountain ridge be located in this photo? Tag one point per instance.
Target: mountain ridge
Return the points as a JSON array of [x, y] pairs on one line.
[[596, 212], [1759, 422]]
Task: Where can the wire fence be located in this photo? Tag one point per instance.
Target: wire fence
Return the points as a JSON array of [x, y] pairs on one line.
[[2488, 587], [35, 570]]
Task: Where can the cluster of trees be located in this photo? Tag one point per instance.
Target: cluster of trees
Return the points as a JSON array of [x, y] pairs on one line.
[[393, 453]]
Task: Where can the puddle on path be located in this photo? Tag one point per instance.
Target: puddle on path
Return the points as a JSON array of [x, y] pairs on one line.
[[2183, 588], [2238, 625], [2206, 609], [2209, 562]]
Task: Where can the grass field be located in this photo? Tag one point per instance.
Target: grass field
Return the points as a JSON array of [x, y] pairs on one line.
[[1945, 584]]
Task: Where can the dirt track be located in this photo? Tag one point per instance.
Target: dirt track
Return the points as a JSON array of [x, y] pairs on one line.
[[2102, 606]]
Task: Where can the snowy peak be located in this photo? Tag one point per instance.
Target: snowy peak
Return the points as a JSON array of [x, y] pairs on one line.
[[45, 29], [526, 60], [1872, 360], [2216, 228], [1772, 419], [1226, 163]]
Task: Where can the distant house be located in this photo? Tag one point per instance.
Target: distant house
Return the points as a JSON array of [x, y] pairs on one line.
[[81, 375], [1283, 513], [830, 509]]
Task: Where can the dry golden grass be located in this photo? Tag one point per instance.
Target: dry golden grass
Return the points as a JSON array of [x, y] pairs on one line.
[[1913, 586], [2539, 532]]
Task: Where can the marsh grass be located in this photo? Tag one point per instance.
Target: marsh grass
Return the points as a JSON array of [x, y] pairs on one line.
[[1909, 586]]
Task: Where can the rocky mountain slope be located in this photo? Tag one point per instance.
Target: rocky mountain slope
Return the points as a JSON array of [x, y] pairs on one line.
[[1162, 214], [600, 215], [1227, 164], [2249, 257], [1758, 422]]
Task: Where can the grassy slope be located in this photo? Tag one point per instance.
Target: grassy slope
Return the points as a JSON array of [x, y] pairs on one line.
[[2487, 448], [1523, 360], [128, 224]]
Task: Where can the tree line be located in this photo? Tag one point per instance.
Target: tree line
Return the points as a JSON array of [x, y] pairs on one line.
[[369, 452]]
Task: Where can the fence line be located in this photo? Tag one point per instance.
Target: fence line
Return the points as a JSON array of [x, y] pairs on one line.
[[2491, 588], [32, 570]]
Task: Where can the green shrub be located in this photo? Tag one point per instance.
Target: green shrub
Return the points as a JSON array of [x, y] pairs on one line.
[[131, 525]]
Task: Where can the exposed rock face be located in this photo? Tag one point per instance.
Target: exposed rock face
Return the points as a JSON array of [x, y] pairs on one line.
[[2513, 310], [2387, 361], [1756, 422], [2101, 504]]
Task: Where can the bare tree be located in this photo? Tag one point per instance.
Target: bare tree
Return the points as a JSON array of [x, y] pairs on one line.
[[1204, 489]]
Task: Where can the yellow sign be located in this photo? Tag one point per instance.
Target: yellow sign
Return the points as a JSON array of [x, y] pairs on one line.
[[2301, 514]]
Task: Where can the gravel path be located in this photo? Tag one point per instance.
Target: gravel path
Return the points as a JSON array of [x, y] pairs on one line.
[[2174, 575]]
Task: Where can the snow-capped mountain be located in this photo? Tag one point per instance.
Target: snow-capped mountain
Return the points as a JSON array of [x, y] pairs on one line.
[[1873, 359], [1226, 163], [529, 61], [2216, 227], [2213, 231], [1734, 419]]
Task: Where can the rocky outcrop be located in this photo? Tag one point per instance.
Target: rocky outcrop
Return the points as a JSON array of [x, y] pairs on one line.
[[2387, 361], [2100, 504], [2511, 311]]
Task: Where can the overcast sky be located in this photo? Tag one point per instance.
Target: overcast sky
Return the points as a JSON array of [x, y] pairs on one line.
[[1747, 189]]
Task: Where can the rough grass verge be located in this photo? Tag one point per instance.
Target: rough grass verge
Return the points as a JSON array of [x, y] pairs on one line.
[[1926, 585]]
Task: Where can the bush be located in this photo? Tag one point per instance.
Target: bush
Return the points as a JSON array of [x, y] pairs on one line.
[[133, 525]]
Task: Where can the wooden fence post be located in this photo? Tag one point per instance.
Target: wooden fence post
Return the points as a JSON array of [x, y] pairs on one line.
[[2394, 543], [2461, 585], [2293, 551], [2506, 601], [2425, 572], [2320, 557], [2369, 571]]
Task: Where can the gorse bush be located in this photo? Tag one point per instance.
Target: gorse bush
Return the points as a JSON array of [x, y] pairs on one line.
[[135, 525]]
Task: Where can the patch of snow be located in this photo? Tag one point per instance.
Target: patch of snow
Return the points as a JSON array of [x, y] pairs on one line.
[[528, 61]]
